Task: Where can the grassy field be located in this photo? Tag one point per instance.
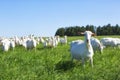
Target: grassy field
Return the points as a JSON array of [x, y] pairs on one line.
[[55, 64]]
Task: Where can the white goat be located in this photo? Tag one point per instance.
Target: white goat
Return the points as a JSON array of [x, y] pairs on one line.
[[24, 42], [97, 46], [84, 49], [75, 42], [41, 40], [31, 44], [5, 44], [17, 40], [45, 44], [63, 40], [51, 42], [12, 44], [113, 42], [57, 38]]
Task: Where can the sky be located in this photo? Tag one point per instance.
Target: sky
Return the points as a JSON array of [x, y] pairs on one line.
[[44, 17]]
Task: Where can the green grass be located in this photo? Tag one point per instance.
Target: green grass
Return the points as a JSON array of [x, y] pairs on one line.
[[55, 64]]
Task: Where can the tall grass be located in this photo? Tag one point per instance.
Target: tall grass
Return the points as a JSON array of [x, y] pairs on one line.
[[55, 64]]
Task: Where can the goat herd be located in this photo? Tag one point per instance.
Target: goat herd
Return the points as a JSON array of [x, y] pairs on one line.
[[30, 42], [79, 49]]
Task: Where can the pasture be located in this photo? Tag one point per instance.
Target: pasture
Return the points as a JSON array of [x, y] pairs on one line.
[[55, 64]]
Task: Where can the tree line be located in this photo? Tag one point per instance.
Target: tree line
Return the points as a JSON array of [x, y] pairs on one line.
[[100, 30]]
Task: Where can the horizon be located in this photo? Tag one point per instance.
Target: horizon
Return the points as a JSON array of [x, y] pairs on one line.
[[44, 17]]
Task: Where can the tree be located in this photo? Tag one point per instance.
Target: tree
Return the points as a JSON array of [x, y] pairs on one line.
[[60, 32], [101, 30]]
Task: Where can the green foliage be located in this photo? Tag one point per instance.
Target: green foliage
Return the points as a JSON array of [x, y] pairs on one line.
[[55, 64], [60, 32], [101, 30]]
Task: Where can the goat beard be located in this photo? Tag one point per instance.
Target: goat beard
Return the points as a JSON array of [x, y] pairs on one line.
[[88, 46]]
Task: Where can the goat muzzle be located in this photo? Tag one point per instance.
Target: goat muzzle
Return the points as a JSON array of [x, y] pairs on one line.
[[87, 41]]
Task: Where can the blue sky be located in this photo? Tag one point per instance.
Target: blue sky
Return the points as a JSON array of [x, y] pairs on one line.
[[44, 17]]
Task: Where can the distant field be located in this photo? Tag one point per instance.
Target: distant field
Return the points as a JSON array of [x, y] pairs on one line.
[[55, 64]]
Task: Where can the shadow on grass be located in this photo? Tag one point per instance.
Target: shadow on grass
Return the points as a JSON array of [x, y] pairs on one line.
[[40, 48], [43, 48], [64, 66]]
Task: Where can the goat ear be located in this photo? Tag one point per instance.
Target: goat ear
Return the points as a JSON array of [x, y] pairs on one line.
[[81, 33], [93, 34]]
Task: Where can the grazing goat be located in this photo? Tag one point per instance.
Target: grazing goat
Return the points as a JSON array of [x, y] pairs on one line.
[[75, 42], [113, 42], [63, 40], [97, 46]]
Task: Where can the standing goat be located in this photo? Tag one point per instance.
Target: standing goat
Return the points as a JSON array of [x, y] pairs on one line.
[[5, 45], [31, 43], [84, 49]]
